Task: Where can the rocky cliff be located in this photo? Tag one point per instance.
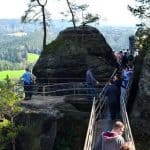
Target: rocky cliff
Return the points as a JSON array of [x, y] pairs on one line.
[[140, 115], [70, 54], [51, 123]]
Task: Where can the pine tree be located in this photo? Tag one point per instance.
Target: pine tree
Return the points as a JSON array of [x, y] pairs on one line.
[[9, 109]]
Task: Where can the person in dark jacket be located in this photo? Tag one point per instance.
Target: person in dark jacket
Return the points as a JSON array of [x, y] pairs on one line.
[[91, 83], [111, 140], [124, 60], [112, 93]]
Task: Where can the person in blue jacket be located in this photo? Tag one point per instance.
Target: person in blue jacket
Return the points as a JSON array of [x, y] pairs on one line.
[[28, 79]]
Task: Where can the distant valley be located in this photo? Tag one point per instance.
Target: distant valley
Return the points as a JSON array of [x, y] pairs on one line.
[[17, 40]]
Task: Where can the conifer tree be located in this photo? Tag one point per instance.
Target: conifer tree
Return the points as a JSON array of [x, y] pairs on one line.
[[75, 11], [142, 9], [34, 14], [9, 109]]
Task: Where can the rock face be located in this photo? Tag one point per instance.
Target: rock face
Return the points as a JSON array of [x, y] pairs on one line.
[[140, 116], [52, 124], [72, 52], [56, 124]]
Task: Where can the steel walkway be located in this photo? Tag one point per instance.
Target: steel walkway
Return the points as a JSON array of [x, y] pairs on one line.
[[98, 122]]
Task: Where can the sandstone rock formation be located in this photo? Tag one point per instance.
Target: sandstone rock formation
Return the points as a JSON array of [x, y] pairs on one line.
[[140, 115], [52, 124], [70, 54]]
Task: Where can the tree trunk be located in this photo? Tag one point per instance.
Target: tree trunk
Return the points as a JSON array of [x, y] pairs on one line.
[[44, 27], [44, 21], [72, 14]]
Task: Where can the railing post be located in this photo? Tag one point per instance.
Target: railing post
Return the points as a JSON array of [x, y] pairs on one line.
[[89, 136], [43, 92]]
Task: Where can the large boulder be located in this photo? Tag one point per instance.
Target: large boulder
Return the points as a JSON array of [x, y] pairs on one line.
[[51, 124], [70, 54]]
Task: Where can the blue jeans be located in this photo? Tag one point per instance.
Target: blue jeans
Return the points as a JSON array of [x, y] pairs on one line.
[[28, 90]]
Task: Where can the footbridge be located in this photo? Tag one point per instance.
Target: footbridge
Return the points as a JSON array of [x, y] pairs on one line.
[[99, 118]]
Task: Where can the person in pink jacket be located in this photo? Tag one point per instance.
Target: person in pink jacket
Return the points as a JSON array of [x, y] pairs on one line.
[[111, 140]]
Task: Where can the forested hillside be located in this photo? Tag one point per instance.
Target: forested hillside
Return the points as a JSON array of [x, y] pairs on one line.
[[17, 39], [117, 37]]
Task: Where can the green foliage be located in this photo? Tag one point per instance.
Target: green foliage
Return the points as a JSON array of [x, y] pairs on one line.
[[36, 12], [17, 72], [8, 99], [13, 74], [9, 109], [79, 11], [50, 48], [32, 58], [7, 65], [142, 10], [89, 18], [143, 39], [8, 132]]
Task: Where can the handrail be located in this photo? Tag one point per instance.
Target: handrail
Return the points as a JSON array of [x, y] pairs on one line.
[[128, 133], [90, 131], [60, 79], [71, 88], [97, 105], [101, 96]]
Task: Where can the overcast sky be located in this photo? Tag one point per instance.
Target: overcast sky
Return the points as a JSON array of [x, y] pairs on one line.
[[113, 12]]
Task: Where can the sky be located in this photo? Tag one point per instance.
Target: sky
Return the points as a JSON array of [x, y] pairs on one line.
[[112, 12]]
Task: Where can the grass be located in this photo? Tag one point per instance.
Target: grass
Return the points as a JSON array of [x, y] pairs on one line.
[[13, 74], [32, 58], [16, 74]]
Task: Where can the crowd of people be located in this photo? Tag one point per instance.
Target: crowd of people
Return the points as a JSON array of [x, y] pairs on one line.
[[119, 81], [113, 140]]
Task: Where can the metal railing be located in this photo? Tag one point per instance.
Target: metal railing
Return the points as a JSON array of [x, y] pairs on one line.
[[49, 81], [95, 113], [98, 106], [90, 131], [58, 89], [123, 103]]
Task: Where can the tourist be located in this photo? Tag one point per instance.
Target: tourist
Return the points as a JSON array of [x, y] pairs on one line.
[[91, 83], [124, 60], [112, 93], [111, 140], [127, 74], [28, 80]]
